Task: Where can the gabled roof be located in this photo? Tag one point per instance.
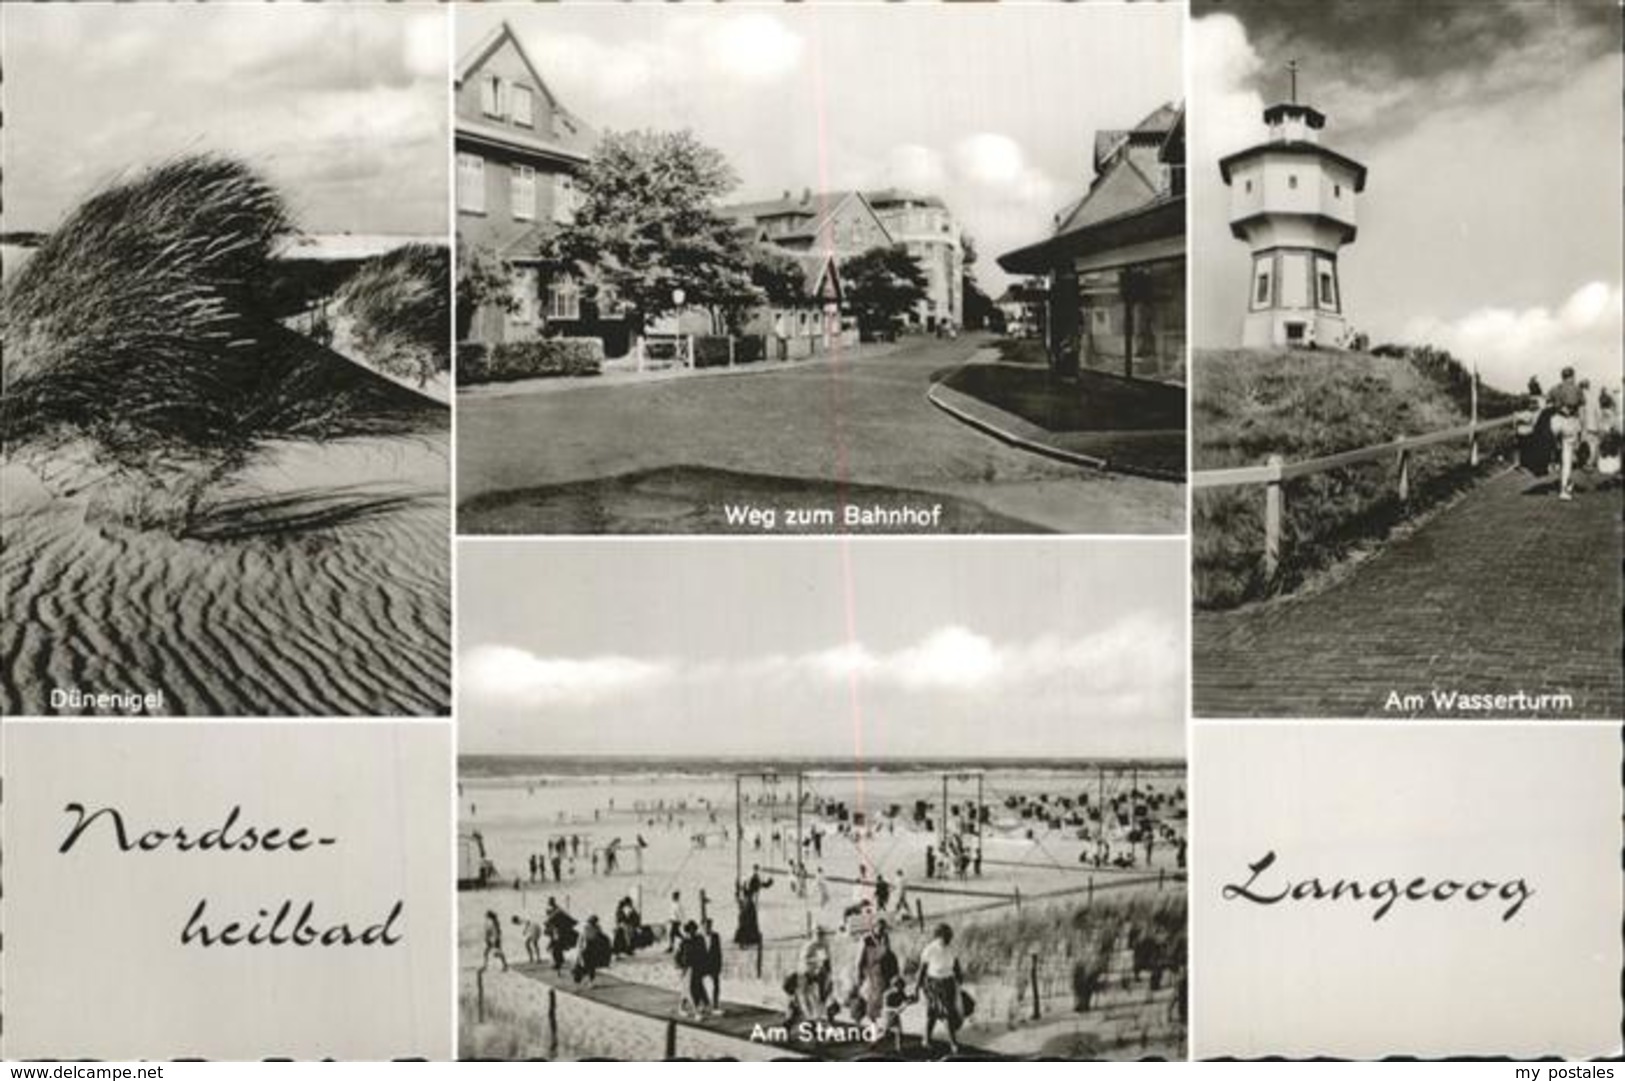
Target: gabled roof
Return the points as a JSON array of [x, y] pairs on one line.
[[815, 267], [501, 34], [573, 139], [1151, 131], [818, 208], [888, 196]]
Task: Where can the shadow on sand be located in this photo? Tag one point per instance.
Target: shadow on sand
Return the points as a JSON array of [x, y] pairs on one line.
[[290, 514]]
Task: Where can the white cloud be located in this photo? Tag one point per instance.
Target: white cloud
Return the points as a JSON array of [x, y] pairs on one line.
[[1226, 115], [756, 47], [1511, 344], [518, 677], [1139, 656]]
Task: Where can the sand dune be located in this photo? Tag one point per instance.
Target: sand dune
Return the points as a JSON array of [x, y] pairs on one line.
[[318, 585]]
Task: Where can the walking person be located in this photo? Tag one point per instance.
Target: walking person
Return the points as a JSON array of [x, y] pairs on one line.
[[691, 962], [674, 922], [1566, 400], [1590, 425], [939, 979], [713, 963], [530, 933], [595, 953], [493, 942]]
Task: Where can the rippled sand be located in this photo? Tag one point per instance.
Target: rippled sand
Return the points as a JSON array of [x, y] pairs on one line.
[[322, 588]]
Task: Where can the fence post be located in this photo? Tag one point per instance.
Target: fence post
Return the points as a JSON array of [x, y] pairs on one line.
[[1472, 436], [552, 1023], [758, 957], [1405, 475], [1018, 899], [1272, 520], [730, 350], [1037, 1008], [479, 994], [671, 1040], [919, 912]]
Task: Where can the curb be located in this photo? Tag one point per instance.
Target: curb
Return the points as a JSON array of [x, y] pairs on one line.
[[1032, 446]]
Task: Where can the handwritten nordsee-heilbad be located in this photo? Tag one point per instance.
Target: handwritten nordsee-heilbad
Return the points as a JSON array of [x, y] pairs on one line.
[[1265, 889], [282, 926]]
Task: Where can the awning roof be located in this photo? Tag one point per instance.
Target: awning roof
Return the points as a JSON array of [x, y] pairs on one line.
[[1160, 220]]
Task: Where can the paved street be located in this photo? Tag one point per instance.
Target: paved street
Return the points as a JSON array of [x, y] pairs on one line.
[[1508, 591], [801, 435]]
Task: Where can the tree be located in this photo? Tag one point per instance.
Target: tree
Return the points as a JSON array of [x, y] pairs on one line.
[[483, 281], [646, 226], [882, 285]]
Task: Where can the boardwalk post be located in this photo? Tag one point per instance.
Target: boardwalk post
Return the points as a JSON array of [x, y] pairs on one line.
[[1272, 532], [479, 994], [671, 1040], [552, 1023], [919, 912], [758, 958], [1404, 474], [1018, 899], [1472, 436], [1037, 1007]]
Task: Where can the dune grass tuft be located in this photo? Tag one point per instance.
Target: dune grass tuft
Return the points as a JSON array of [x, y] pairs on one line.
[[399, 307], [138, 340]]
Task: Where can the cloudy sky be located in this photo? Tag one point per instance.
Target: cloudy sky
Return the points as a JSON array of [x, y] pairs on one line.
[[1490, 224], [342, 106], [993, 107], [881, 648]]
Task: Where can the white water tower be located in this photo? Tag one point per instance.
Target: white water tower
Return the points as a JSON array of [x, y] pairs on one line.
[[1292, 200]]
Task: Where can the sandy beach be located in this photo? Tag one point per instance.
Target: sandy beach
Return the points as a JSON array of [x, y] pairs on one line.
[[317, 583], [1032, 875]]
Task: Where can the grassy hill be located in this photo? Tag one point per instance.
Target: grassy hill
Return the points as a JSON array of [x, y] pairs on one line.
[[1249, 404]]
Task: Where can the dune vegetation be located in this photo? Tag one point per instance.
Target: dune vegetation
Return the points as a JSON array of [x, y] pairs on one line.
[[399, 310], [1250, 404], [142, 362]]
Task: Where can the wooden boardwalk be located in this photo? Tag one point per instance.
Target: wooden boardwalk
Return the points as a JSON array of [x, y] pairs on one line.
[[737, 1020], [1509, 590]]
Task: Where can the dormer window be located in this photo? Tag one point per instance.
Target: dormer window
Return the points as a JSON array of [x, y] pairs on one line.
[[522, 114]]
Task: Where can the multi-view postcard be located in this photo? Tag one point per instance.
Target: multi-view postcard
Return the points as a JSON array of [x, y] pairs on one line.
[[1407, 364], [827, 532], [226, 316], [744, 270], [818, 801]]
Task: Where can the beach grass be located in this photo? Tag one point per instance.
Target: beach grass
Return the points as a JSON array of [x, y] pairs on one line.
[[1250, 404], [141, 347]]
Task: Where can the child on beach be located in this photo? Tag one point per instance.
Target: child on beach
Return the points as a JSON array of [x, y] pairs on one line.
[[893, 1003], [493, 942]]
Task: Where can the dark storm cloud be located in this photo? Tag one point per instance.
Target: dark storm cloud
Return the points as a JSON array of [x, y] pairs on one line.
[[1494, 47]]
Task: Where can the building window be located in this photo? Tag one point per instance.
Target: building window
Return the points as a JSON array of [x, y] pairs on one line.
[[471, 183], [491, 96], [522, 192], [564, 300], [1292, 181], [1249, 187], [522, 114], [566, 199], [1262, 284], [1326, 279], [1337, 191]]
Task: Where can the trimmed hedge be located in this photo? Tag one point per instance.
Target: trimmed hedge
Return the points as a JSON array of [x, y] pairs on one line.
[[711, 351], [541, 358]]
